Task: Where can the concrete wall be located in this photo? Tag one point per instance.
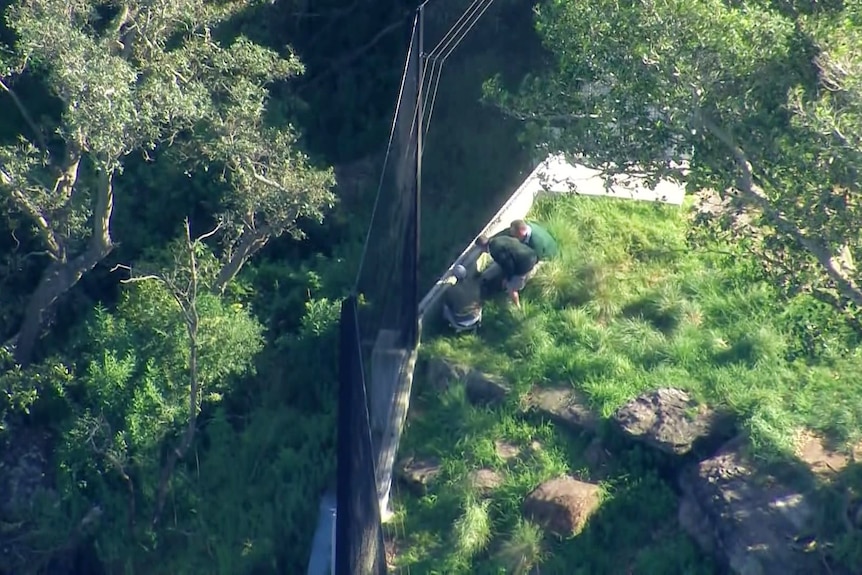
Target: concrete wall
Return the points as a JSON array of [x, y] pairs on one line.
[[321, 561]]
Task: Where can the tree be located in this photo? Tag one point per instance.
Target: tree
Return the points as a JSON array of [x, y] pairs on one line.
[[147, 371], [759, 102], [131, 77]]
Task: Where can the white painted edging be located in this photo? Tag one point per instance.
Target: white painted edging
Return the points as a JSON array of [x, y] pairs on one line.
[[555, 176]]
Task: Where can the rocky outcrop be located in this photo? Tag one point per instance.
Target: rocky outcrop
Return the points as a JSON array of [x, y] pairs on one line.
[[441, 373], [749, 520], [484, 389], [670, 421], [563, 505], [506, 450]]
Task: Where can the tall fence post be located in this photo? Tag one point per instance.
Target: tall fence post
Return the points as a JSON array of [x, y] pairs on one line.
[[359, 546], [394, 353]]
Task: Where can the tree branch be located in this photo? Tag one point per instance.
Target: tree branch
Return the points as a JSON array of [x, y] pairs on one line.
[[192, 323], [522, 117], [118, 467], [831, 264], [55, 248], [68, 177], [102, 213], [249, 243], [264, 180], [22, 109], [61, 276]]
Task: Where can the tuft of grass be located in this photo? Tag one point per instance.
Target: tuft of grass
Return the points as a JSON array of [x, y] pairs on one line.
[[628, 307], [522, 550], [472, 531]]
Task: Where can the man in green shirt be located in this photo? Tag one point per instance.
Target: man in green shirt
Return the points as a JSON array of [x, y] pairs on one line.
[[535, 236], [462, 302], [515, 258]]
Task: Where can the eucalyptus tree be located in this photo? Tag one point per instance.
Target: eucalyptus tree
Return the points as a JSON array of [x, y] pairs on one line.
[[758, 102], [131, 78]]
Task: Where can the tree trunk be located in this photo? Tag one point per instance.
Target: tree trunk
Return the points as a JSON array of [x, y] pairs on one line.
[[188, 303], [61, 276], [250, 243]]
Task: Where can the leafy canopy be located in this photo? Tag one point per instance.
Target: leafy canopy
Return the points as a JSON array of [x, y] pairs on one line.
[[133, 77], [759, 104]]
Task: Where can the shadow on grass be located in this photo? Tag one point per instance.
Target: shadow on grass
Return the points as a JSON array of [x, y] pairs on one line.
[[831, 508]]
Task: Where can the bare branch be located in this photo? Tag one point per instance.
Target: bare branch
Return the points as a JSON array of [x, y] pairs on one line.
[[115, 463], [189, 308], [137, 279], [133, 278], [520, 116], [356, 53], [56, 249], [210, 233], [264, 180]]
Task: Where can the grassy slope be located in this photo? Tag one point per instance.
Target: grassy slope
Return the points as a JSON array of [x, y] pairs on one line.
[[627, 308]]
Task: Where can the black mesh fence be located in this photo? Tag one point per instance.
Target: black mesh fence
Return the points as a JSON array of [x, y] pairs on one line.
[[358, 535], [379, 328], [387, 278]]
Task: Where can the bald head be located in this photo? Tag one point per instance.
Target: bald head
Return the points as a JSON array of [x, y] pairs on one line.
[[519, 229]]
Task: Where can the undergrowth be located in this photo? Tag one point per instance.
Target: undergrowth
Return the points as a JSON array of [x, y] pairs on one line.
[[628, 307]]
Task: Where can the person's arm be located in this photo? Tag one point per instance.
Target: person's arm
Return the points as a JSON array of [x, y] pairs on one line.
[[515, 297]]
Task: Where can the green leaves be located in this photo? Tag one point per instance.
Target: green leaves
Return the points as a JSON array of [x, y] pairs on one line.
[[144, 76], [753, 98]]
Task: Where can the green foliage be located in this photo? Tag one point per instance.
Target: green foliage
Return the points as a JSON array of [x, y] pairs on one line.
[[132, 397], [35, 395], [266, 467], [138, 79], [753, 96]]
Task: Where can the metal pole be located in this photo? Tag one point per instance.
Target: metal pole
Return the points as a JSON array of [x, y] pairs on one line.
[[417, 197]]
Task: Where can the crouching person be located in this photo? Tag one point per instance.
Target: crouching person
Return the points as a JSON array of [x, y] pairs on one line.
[[516, 260], [462, 302]]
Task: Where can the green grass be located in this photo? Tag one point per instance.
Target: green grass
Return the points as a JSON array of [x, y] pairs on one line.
[[628, 307]]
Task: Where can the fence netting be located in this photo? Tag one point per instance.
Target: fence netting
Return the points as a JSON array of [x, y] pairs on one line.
[[358, 533], [384, 316], [380, 321]]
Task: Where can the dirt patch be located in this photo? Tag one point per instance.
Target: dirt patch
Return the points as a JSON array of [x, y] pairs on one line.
[[822, 459]]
